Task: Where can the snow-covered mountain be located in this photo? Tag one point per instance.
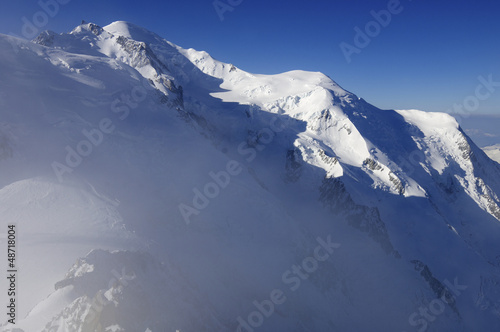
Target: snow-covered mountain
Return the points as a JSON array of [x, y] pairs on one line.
[[155, 188]]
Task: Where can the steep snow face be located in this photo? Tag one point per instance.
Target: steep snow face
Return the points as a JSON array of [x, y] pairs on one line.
[[191, 193], [440, 133], [447, 150]]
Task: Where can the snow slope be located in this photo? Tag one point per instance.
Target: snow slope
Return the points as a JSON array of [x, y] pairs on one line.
[[157, 189], [493, 152]]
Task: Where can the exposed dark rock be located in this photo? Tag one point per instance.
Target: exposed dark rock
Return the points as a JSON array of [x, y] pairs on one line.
[[334, 195], [437, 287], [293, 165]]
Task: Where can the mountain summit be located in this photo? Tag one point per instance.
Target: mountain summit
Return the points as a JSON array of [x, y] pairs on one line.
[[155, 188]]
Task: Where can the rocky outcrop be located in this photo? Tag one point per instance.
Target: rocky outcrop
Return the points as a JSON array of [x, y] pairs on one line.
[[334, 196]]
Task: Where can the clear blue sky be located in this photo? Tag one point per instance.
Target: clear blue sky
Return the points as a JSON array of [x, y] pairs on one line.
[[428, 57]]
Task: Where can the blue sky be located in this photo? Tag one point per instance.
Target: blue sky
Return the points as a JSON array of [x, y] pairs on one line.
[[428, 57]]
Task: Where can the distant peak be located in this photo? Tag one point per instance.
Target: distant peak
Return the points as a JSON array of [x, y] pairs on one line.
[[130, 30], [121, 28]]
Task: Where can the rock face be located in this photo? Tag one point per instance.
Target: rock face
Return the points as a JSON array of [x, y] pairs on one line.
[[195, 196], [334, 195]]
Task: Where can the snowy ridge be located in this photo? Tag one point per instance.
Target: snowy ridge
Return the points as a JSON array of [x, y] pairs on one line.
[[411, 200]]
